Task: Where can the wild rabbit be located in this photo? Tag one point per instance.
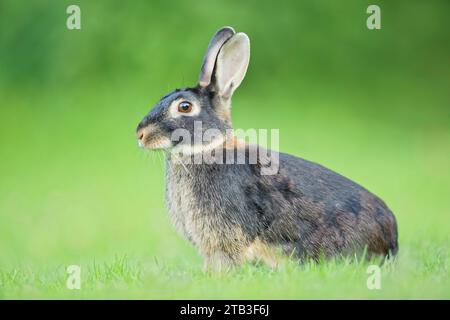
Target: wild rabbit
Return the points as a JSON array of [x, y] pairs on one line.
[[231, 211]]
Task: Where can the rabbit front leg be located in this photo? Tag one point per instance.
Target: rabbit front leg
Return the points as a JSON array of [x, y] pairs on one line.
[[222, 257], [218, 261], [259, 251]]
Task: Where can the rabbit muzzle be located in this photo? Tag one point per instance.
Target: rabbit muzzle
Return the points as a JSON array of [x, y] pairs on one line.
[[151, 137]]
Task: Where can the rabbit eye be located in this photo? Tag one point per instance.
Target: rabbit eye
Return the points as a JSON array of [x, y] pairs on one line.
[[185, 107]]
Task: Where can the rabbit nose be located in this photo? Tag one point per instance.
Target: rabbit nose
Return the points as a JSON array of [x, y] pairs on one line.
[[146, 133], [142, 135]]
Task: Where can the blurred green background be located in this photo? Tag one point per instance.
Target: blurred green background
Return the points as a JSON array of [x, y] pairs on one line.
[[373, 105]]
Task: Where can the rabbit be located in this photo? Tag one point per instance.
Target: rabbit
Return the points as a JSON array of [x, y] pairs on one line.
[[234, 214]]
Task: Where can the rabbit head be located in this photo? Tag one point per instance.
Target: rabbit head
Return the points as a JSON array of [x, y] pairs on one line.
[[204, 107]]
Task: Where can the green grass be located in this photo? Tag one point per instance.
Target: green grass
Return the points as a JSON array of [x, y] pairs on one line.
[[411, 276], [76, 190]]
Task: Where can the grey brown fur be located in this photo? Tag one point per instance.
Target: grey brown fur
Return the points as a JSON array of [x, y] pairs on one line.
[[232, 213]]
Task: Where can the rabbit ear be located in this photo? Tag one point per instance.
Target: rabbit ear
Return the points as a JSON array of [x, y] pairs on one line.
[[217, 41], [231, 65]]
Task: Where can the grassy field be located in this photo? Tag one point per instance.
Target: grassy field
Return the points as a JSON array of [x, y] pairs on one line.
[[76, 190]]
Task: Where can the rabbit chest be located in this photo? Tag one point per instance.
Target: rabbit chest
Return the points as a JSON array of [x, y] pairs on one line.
[[201, 210]]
